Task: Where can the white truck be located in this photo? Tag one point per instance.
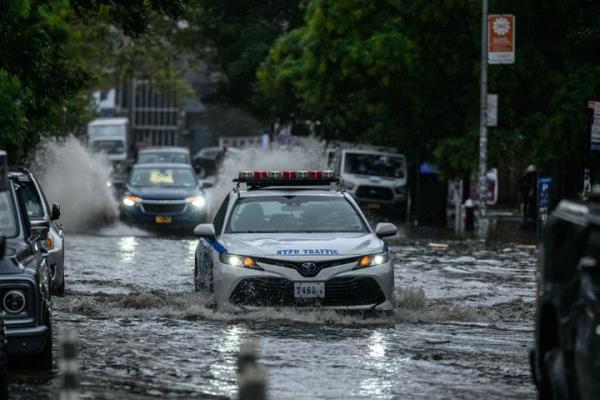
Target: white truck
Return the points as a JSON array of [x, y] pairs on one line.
[[111, 137], [376, 179]]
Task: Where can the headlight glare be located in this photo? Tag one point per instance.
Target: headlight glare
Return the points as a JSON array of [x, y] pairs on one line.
[[196, 201], [373, 260], [238, 261], [131, 201]]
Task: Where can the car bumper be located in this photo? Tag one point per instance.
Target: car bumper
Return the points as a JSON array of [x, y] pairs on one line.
[[26, 341], [370, 288], [186, 220]]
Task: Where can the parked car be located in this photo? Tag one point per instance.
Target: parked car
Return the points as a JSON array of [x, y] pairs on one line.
[[25, 278], [160, 155], [39, 210], [567, 334]]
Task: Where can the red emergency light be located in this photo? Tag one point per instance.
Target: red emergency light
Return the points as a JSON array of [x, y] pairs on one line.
[[286, 178]]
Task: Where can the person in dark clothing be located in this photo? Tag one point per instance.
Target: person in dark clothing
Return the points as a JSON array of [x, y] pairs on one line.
[[528, 189]]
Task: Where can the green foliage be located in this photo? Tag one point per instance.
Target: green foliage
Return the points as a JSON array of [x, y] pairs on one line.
[[52, 52], [405, 73], [233, 37]]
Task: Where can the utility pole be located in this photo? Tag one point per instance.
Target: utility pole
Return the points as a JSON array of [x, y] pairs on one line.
[[482, 223]]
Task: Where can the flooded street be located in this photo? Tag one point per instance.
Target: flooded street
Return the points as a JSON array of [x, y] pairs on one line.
[[462, 328]]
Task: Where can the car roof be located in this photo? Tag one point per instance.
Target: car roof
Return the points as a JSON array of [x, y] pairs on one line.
[[163, 166], [108, 121], [165, 150], [299, 191], [363, 151]]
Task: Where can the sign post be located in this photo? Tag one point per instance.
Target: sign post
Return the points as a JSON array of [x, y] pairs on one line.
[[482, 223]]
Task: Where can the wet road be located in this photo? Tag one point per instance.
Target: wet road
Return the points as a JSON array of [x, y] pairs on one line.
[[461, 330]]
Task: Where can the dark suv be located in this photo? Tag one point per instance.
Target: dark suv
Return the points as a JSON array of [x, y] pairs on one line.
[[38, 210], [24, 276], [567, 328]]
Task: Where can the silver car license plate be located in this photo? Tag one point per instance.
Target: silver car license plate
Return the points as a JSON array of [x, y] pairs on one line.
[[308, 290]]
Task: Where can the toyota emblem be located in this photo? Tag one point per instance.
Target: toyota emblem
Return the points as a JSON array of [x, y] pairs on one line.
[[309, 267]]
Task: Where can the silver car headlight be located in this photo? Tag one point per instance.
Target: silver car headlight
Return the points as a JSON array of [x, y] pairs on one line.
[[238, 261], [373, 260]]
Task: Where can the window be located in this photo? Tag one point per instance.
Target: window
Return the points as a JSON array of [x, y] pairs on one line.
[[169, 177], [32, 200], [374, 165], [8, 224], [294, 214], [219, 220]]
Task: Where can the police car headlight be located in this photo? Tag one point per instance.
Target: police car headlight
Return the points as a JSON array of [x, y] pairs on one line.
[[196, 201], [14, 301], [238, 261], [373, 260]]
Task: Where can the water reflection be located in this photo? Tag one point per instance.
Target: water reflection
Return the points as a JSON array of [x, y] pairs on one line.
[[127, 247]]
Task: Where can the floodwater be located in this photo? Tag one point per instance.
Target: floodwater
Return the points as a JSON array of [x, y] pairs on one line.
[[461, 330]]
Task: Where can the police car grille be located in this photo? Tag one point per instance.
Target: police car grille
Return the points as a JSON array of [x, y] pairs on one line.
[[163, 208], [374, 193], [264, 292], [297, 265], [352, 291]]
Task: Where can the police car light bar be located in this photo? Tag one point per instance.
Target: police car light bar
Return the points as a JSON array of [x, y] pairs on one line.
[[287, 178]]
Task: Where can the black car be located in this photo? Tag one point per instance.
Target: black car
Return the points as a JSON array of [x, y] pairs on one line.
[[565, 360], [24, 276], [163, 197], [38, 210]]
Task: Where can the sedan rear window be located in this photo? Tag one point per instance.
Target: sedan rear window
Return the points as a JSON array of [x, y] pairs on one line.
[[294, 214]]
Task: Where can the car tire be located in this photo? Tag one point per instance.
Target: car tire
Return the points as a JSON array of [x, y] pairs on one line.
[[555, 382], [60, 291], [3, 363], [196, 283], [43, 360]]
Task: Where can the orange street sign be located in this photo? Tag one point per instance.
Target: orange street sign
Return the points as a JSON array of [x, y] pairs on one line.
[[501, 39]]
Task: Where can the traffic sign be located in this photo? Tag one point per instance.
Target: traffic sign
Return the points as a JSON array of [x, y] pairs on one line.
[[501, 39]]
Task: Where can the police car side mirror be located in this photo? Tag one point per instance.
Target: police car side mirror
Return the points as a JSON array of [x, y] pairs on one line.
[[39, 230], [205, 230], [55, 212], [385, 229], [206, 185]]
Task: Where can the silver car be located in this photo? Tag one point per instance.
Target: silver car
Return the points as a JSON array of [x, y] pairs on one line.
[[287, 240], [39, 212]]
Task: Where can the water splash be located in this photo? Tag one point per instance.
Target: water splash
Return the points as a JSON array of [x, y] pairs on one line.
[[75, 178], [308, 156]]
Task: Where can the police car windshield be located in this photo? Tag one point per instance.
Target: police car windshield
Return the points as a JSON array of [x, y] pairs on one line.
[[274, 214], [8, 224], [170, 177], [374, 165]]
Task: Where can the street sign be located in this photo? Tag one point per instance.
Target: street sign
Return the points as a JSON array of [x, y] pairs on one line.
[[544, 184], [492, 110], [501, 39]]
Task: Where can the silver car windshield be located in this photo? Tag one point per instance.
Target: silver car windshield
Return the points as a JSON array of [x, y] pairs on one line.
[[374, 165], [8, 224], [274, 214]]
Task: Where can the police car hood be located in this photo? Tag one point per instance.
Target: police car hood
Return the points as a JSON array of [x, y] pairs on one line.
[[313, 245]]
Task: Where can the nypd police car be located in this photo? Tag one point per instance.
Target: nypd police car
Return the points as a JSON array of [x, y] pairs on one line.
[[294, 238]]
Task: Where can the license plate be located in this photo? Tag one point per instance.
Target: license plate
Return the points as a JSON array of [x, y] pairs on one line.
[[309, 290], [161, 219], [374, 206]]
